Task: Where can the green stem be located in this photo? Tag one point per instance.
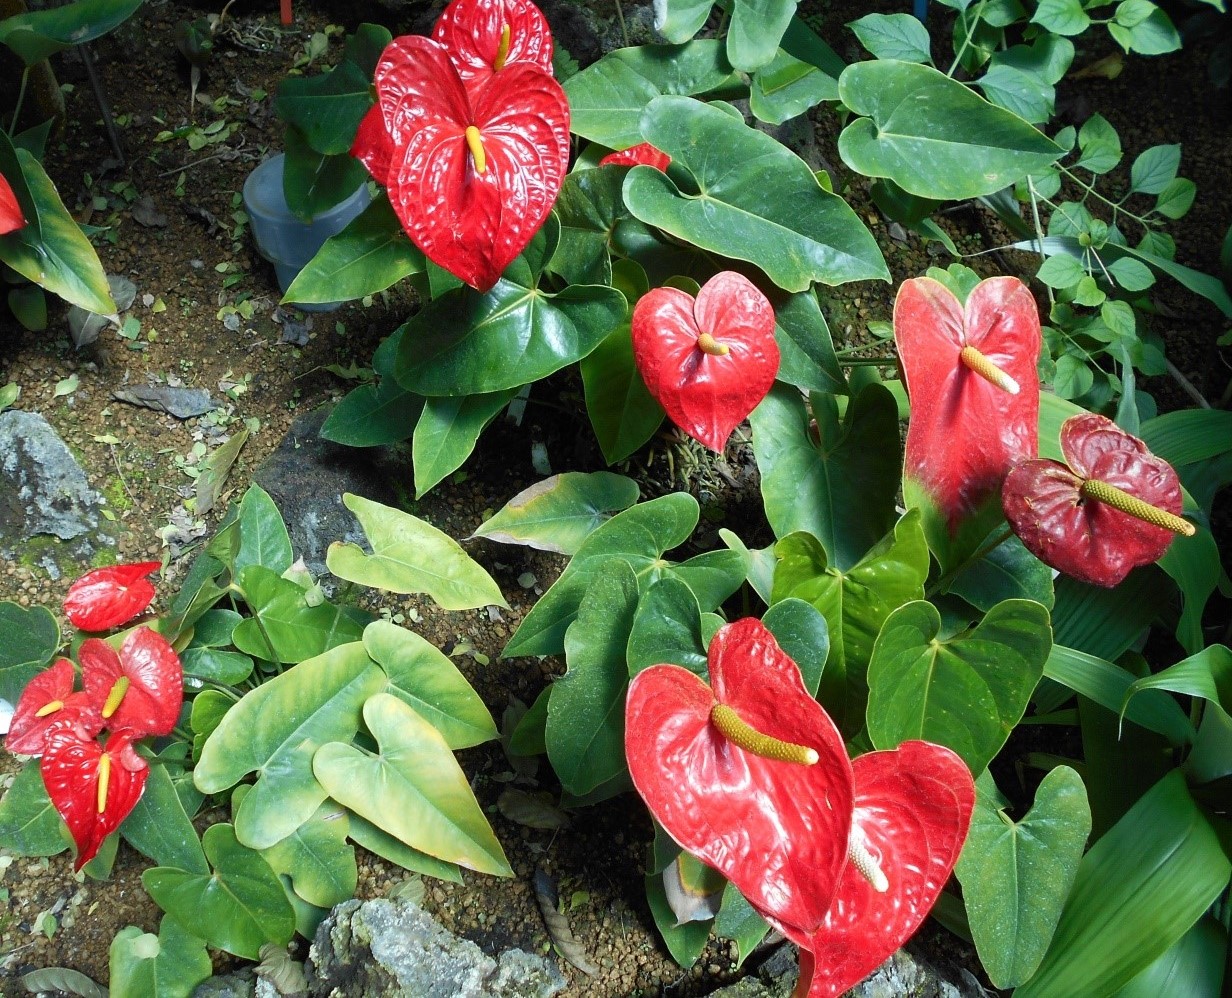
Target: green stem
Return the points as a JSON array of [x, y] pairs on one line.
[[620, 16], [867, 361], [1039, 232], [21, 96], [966, 43], [942, 585]]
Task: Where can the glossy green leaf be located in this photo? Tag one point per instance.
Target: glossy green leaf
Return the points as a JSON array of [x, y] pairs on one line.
[[447, 431], [28, 642], [786, 87], [803, 634], [1008, 571], [738, 920], [381, 843], [317, 858], [759, 202], [590, 208], [383, 413], [1189, 435], [529, 737], [274, 731], [933, 136], [1105, 622], [855, 603], [806, 350], [840, 485], [284, 619], [559, 513], [29, 822], [327, 107], [1016, 875], [667, 628], [168, 965], [967, 692], [606, 99], [1194, 565], [893, 36], [1207, 675], [36, 34], [586, 712], [756, 28], [371, 254], [1138, 891], [622, 411], [263, 536], [1194, 965], [11, 169], [680, 20], [237, 909], [758, 563], [216, 665], [684, 942], [424, 677], [159, 827], [410, 555], [55, 254], [413, 789]]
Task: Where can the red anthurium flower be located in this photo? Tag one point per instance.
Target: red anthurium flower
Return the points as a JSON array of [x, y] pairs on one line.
[[139, 689], [642, 154], [94, 788], [475, 171], [974, 389], [11, 218], [1116, 505], [708, 361], [485, 36], [775, 827], [47, 699], [109, 597], [372, 146], [912, 811]]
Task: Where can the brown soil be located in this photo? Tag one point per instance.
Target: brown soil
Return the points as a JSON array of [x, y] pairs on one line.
[[200, 264]]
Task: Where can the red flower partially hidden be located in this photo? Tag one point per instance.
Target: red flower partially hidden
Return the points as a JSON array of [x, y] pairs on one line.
[[485, 36], [475, 168], [776, 829], [708, 361], [109, 597], [1116, 506], [140, 689], [642, 154], [971, 376], [47, 699], [11, 217], [94, 788], [372, 146], [912, 811]]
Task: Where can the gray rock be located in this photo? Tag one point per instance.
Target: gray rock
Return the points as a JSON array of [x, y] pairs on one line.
[[383, 949], [43, 496], [182, 403], [238, 985]]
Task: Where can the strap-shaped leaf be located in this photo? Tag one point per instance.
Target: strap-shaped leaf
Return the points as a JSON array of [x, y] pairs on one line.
[[1207, 674]]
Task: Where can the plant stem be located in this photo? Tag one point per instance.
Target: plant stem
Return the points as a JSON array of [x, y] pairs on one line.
[[1039, 232], [867, 361], [1187, 386], [942, 585], [21, 96], [962, 49], [624, 32]]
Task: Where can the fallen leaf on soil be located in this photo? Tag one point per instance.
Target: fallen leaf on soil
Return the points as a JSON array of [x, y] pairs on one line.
[[62, 979], [214, 475], [532, 810], [558, 925]]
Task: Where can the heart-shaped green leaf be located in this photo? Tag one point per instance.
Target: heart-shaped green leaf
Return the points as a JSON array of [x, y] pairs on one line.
[[313, 182], [263, 536], [855, 603], [414, 789], [423, 676], [757, 27], [160, 828], [327, 107], [169, 965], [560, 512], [1008, 571], [36, 34], [238, 908], [787, 86], [803, 634], [284, 627], [410, 555], [589, 207], [933, 136], [667, 628], [383, 413], [29, 822], [967, 692], [586, 712], [317, 858], [447, 431], [758, 202], [28, 641], [1016, 875], [276, 728], [839, 485]]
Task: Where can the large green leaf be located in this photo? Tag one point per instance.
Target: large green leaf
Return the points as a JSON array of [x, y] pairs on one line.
[[787, 86], [586, 712], [36, 34], [560, 512], [1194, 965], [275, 729], [423, 676], [414, 789], [757, 27], [328, 107], [1008, 571], [966, 692], [29, 822], [855, 603], [168, 965], [317, 858], [1105, 622], [371, 254], [806, 350], [1207, 674], [589, 208], [28, 641], [238, 908], [758, 202], [284, 626], [1189, 435], [447, 431], [56, 254], [263, 536], [802, 632], [10, 168], [840, 485], [933, 136], [667, 628], [1016, 875], [1138, 891], [410, 555], [606, 99], [680, 20], [160, 828], [313, 182]]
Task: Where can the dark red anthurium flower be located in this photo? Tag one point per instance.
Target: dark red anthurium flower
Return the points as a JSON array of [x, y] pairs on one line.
[[47, 699], [139, 689], [775, 828], [971, 376], [912, 810], [708, 361], [93, 787], [475, 168], [1115, 507], [642, 154], [485, 36], [11, 217], [111, 596]]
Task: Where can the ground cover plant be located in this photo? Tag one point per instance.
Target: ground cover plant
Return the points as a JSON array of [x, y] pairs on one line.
[[850, 698]]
